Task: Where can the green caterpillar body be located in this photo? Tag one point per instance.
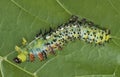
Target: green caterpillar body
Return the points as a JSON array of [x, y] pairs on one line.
[[55, 39]]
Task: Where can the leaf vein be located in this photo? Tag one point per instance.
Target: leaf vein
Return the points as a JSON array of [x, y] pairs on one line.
[[63, 7], [28, 11], [115, 43], [110, 2], [44, 65], [18, 16]]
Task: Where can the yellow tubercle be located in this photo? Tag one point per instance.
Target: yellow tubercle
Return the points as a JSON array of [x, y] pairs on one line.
[[92, 37], [24, 41], [75, 35], [47, 49], [98, 41], [107, 37], [22, 57], [54, 46], [103, 40], [86, 36], [18, 49]]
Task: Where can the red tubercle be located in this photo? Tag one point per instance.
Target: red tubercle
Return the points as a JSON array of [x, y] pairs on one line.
[[32, 57], [40, 55]]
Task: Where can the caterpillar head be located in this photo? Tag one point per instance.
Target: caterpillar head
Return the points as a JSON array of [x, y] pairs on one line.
[[17, 60], [22, 55], [20, 58]]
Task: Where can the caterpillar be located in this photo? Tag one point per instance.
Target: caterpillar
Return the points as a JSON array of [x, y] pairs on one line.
[[53, 40]]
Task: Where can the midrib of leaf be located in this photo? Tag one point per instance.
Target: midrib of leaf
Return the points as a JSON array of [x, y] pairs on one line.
[[1, 66]]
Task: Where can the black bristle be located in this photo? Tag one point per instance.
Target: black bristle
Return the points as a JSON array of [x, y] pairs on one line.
[[40, 33], [66, 24], [45, 32], [83, 21], [108, 31], [73, 19], [90, 23], [50, 30], [37, 35], [44, 54]]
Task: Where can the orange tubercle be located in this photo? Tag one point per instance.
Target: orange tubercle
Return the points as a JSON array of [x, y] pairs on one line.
[[40, 56], [32, 57]]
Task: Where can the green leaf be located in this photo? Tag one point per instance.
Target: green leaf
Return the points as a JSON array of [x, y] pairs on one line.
[[24, 18]]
